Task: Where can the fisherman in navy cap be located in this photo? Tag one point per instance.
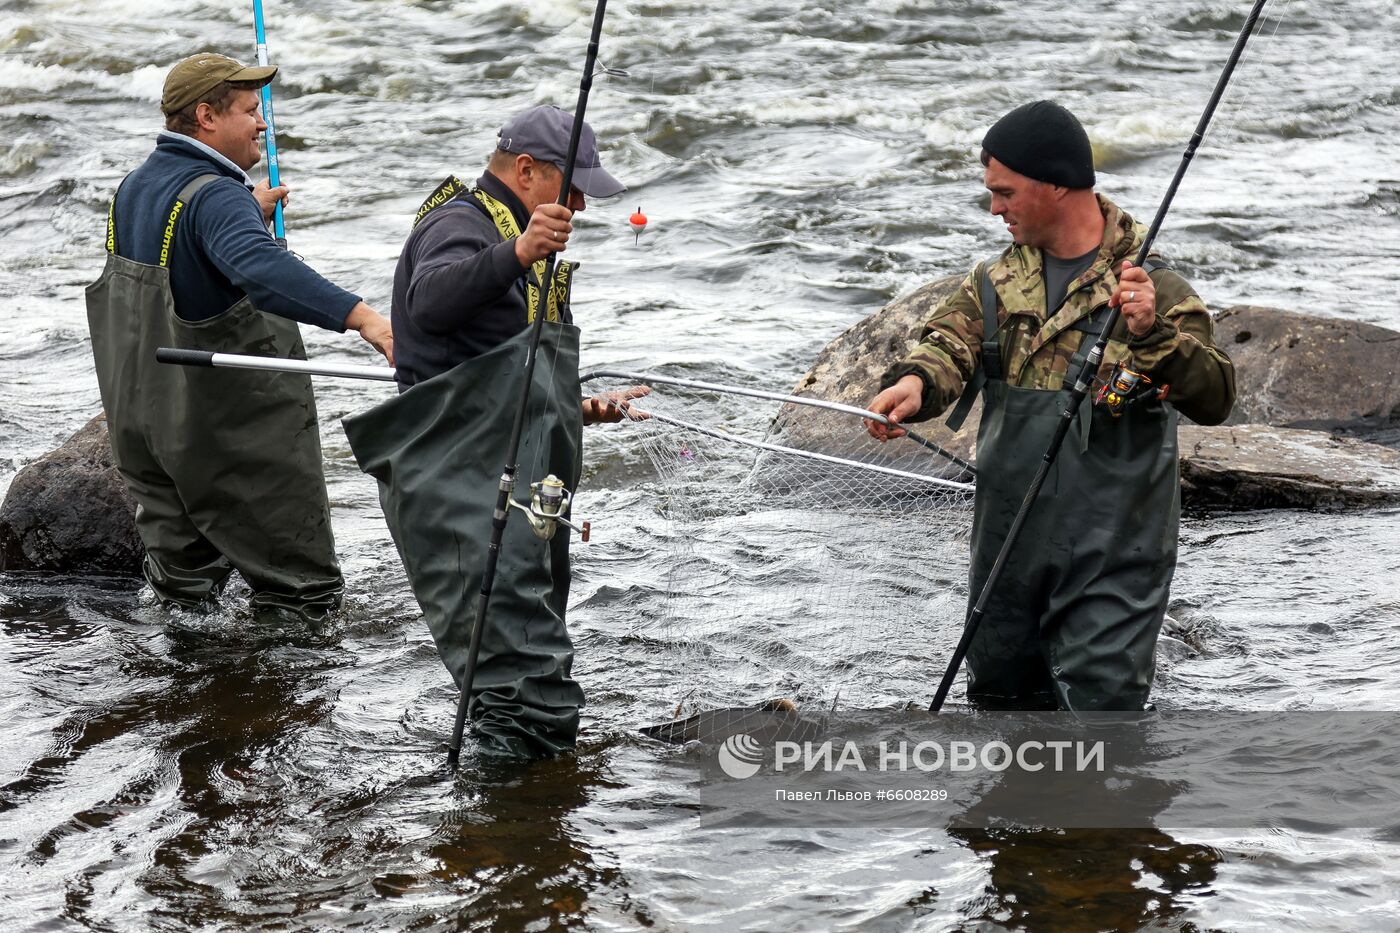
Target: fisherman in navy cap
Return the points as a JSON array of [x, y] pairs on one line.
[[469, 283]]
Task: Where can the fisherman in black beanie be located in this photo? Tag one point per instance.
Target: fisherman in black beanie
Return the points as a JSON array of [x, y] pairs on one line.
[[1073, 625]]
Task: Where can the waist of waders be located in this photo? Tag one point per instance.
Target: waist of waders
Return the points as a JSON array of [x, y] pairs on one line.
[[453, 189]]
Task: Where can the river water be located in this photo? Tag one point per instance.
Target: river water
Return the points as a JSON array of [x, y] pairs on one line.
[[802, 162]]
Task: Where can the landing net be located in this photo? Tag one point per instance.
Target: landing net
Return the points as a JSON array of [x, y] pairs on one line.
[[804, 562]]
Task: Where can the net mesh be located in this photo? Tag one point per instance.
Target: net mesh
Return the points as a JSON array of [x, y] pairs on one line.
[[808, 564]]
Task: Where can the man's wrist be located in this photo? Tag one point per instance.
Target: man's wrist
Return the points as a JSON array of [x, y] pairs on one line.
[[360, 315]]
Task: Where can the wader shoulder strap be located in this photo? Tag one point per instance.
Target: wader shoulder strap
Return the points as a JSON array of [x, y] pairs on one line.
[[112, 218], [990, 366], [453, 188], [449, 190], [563, 271], [186, 194], [112, 222]]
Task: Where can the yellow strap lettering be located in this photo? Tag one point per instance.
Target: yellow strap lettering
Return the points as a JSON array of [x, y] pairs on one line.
[[506, 226], [509, 229], [111, 225], [445, 192], [169, 232]]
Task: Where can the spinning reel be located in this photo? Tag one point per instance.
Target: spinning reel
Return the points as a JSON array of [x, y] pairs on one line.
[[549, 503]]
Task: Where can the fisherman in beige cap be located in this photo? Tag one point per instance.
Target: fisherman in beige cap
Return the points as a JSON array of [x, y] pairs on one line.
[[225, 466]]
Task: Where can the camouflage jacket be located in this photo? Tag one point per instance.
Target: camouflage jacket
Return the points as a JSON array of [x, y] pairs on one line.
[[1179, 349]]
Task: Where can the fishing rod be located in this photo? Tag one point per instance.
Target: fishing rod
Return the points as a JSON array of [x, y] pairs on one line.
[[1088, 372], [507, 485], [274, 175]]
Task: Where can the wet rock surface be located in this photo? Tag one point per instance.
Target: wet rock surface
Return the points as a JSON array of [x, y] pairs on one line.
[[848, 371], [1262, 467], [69, 512], [1302, 371]]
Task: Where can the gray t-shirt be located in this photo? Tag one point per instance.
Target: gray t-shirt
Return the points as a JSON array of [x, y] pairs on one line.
[[1059, 273]]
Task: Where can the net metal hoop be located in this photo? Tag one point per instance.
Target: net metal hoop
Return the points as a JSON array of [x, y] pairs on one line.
[[653, 379]]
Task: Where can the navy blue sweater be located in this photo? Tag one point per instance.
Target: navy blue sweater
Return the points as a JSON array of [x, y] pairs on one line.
[[222, 249]]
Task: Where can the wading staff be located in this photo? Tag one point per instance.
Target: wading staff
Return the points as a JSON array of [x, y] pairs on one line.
[[1087, 373], [274, 175], [507, 486]]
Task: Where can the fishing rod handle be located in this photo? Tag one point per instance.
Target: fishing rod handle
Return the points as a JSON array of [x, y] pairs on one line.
[[974, 618], [180, 357], [488, 580]]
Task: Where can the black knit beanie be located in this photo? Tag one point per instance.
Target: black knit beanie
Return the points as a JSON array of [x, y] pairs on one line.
[[1043, 140]]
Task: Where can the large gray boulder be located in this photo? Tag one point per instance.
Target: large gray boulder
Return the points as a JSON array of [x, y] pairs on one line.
[[848, 371], [1301, 371], [69, 512], [1292, 370]]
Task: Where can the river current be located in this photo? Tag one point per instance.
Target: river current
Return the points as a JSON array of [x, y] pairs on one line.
[[802, 162]]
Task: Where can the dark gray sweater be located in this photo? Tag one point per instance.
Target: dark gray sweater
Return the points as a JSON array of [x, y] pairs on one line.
[[459, 289]]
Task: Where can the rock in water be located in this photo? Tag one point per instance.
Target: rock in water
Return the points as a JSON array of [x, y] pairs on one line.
[[848, 370], [69, 511], [1259, 467], [1302, 371]]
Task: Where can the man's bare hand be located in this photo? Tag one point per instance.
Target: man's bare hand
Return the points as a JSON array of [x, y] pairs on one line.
[[614, 406], [547, 233], [896, 403], [268, 198], [374, 327], [1137, 297]]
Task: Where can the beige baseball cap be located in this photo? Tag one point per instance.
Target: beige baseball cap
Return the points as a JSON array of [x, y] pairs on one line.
[[193, 77]]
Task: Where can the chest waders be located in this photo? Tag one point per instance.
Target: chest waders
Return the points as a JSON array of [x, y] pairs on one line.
[[225, 466], [436, 451], [1073, 622]]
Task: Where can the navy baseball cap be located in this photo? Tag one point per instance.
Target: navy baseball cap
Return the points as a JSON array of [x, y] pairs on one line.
[[543, 132]]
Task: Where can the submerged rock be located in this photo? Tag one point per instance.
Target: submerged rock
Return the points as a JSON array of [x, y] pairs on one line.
[[1261, 467], [69, 511]]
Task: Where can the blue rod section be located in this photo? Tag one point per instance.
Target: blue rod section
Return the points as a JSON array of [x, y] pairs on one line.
[[274, 175]]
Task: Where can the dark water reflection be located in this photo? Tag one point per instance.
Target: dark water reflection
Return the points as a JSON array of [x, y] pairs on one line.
[[200, 737], [1085, 880]]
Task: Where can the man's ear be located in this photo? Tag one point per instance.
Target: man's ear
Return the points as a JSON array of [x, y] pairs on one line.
[[525, 168], [204, 117]]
